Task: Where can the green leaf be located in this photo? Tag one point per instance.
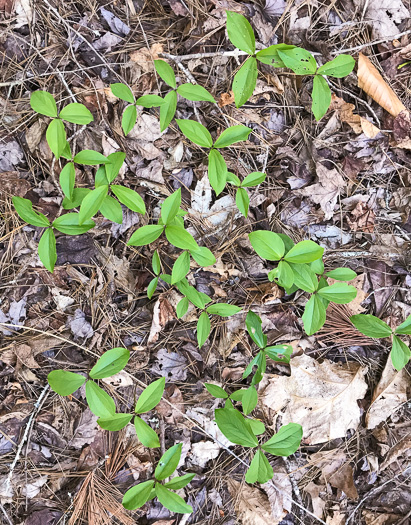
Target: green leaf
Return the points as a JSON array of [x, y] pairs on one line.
[[47, 249], [317, 266], [138, 495], [340, 293], [286, 441], [268, 245], [253, 324], [405, 327], [216, 391], [172, 501], [199, 299], [115, 162], [42, 102], [146, 434], [223, 309], [314, 315], [168, 462], [99, 402], [371, 326], [67, 179], [145, 235], [245, 81], [285, 275], [240, 32], [203, 256], [304, 252], [92, 203], [235, 427], [232, 135], [259, 470], [279, 353], [180, 238], [76, 114], [110, 363], [249, 400], [170, 206], [151, 288], [257, 427], [64, 382], [304, 277], [321, 96], [299, 60], [115, 422], [195, 132], [195, 93], [77, 199], [129, 118], [150, 396], [182, 307], [233, 179], [166, 72], [56, 137], [339, 67], [90, 157], [253, 179], [242, 201], [203, 328], [400, 353], [112, 210], [168, 109], [260, 362], [237, 395], [179, 482], [69, 224], [181, 267], [150, 101], [217, 171], [24, 208], [130, 198], [122, 92], [342, 274], [155, 263], [66, 153], [270, 55]]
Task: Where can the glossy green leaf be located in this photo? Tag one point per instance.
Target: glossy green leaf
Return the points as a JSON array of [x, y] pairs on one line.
[[115, 162], [43, 102], [138, 495], [340, 293], [217, 171], [165, 71], [260, 470], [122, 92], [245, 81], [299, 60], [64, 382], [233, 179], [115, 422], [170, 206], [195, 93], [257, 427], [56, 137], [182, 307], [168, 462], [156, 263], [180, 238], [405, 327], [216, 391], [203, 328], [77, 199], [203, 256], [69, 224], [195, 132], [304, 252], [253, 179], [150, 396], [129, 119], [235, 427], [76, 114], [249, 400], [145, 235], [67, 179], [317, 266], [90, 157], [150, 101], [47, 249], [91, 203], [279, 353], [232, 135], [286, 441], [112, 210], [240, 32], [304, 277], [172, 501], [110, 363], [168, 110], [223, 309], [285, 275], [146, 434], [99, 402], [24, 208], [179, 482], [321, 96], [152, 287], [371, 326], [242, 201], [342, 274], [253, 324], [268, 245], [66, 153], [130, 198], [339, 67], [270, 55], [400, 353], [314, 315], [181, 267]]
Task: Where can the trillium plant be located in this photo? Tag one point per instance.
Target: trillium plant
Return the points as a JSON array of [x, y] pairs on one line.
[[298, 268]]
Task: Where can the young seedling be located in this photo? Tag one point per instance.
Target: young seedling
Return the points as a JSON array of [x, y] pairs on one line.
[[241, 197]]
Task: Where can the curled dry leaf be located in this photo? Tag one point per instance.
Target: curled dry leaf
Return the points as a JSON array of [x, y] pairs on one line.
[[390, 392], [250, 504], [322, 397], [336, 470], [345, 112], [371, 81]]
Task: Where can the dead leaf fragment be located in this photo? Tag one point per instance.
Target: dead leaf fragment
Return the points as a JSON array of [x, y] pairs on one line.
[[251, 505], [371, 81], [322, 397], [226, 99], [336, 470], [345, 112]]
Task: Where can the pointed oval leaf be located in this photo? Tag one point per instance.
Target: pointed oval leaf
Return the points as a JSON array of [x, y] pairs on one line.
[[47, 249], [170, 206], [342, 274], [242, 201], [168, 110], [69, 224], [99, 402], [150, 396], [130, 198], [150, 101], [168, 462], [249, 400], [203, 256], [299, 60], [253, 179], [172, 501], [111, 209], [232, 135], [90, 157], [64, 382], [76, 114], [253, 324], [146, 434], [317, 266], [339, 67], [371, 326], [56, 137], [270, 55], [138, 495], [304, 277], [257, 427], [203, 328], [165, 71], [314, 315], [182, 307], [285, 275], [122, 92], [77, 199], [304, 252], [235, 427], [216, 391], [179, 482], [24, 208], [286, 441], [340, 293], [146, 235], [405, 327], [110, 363], [279, 353], [321, 96], [181, 267], [115, 162], [240, 32], [217, 171], [195, 93], [223, 309], [91, 203], [260, 470], [67, 179], [155, 263], [129, 118], [400, 353], [115, 422], [180, 238], [195, 132], [43, 102], [245, 81], [268, 245], [152, 287]]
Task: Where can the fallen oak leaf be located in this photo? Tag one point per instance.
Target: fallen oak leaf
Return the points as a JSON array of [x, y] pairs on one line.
[[345, 112]]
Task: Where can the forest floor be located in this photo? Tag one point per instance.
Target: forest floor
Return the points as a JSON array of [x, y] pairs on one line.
[[328, 181]]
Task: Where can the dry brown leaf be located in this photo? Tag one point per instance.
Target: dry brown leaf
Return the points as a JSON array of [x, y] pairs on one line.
[[322, 397], [318, 503], [279, 492], [336, 470], [226, 99], [402, 447], [355, 304], [371, 81], [345, 112], [390, 392], [379, 519]]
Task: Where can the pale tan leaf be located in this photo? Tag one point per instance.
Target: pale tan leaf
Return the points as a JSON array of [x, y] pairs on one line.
[[279, 492], [322, 397], [390, 392], [345, 112], [399, 449], [336, 470], [318, 503], [371, 81]]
